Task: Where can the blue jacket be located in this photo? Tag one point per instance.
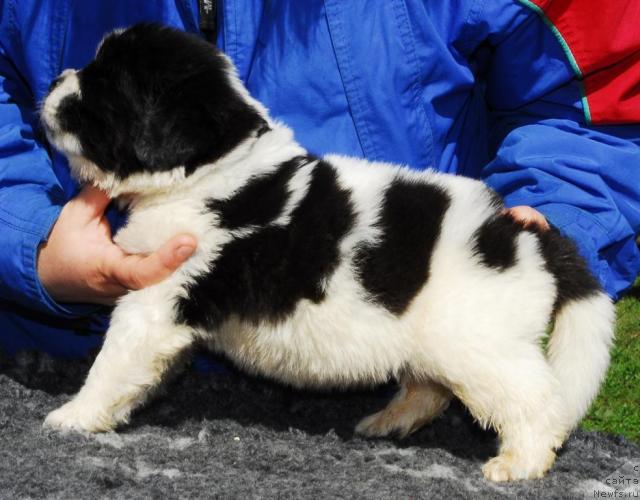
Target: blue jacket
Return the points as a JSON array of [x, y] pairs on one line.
[[474, 87]]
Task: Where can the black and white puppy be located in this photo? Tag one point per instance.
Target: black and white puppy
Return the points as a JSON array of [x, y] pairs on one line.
[[319, 271]]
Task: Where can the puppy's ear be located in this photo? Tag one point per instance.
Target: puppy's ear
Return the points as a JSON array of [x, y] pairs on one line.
[[196, 121]]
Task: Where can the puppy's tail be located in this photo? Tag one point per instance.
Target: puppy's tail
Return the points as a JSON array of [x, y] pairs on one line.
[[578, 351]]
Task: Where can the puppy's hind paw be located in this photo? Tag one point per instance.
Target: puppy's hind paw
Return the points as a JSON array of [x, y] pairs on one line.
[[384, 423], [73, 417], [506, 467], [371, 427]]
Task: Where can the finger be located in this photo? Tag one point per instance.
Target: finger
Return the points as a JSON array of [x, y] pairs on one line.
[[139, 271], [527, 217], [543, 224], [93, 202], [532, 217], [513, 215]]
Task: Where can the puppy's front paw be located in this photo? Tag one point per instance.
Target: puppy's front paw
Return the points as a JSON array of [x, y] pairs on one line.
[[73, 416]]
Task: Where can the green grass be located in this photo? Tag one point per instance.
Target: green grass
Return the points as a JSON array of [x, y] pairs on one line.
[[617, 407]]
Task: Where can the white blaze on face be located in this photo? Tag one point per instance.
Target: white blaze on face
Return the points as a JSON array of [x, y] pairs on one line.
[[69, 85]]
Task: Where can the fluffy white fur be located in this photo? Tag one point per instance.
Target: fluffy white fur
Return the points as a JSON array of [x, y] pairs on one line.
[[63, 141], [471, 331]]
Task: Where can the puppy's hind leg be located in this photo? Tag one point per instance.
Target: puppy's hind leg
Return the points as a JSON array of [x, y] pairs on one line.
[[416, 404], [511, 388], [140, 347]]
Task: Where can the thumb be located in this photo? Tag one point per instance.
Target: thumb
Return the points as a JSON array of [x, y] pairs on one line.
[[140, 271], [92, 202]]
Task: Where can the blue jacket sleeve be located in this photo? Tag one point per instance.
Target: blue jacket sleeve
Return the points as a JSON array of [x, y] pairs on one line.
[[586, 183], [30, 195], [584, 179]]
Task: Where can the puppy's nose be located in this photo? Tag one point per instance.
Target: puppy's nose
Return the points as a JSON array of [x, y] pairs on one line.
[[57, 81]]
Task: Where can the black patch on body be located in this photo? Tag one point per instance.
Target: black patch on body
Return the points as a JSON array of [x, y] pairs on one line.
[[574, 279], [261, 200], [495, 244], [394, 269], [495, 200], [263, 276], [156, 98]]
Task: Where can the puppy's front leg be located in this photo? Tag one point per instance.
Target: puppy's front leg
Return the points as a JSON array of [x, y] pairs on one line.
[[141, 345]]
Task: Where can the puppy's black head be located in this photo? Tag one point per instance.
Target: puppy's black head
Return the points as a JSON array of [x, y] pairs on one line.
[[153, 100]]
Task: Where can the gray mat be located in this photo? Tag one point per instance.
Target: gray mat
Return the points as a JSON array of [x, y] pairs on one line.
[[231, 436]]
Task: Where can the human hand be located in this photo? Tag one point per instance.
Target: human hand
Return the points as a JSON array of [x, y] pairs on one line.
[[81, 263], [527, 216]]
